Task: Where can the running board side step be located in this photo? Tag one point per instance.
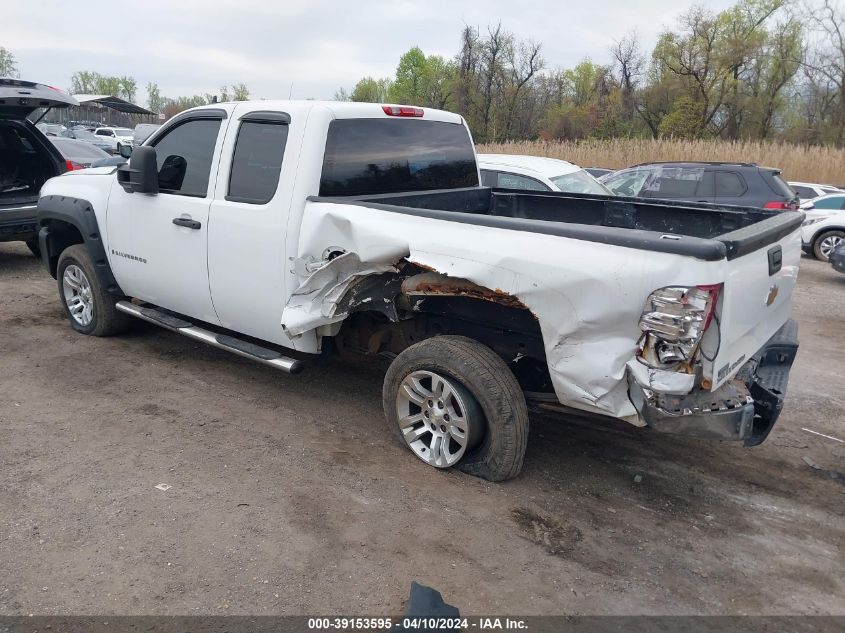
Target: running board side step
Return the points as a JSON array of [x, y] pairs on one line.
[[263, 355]]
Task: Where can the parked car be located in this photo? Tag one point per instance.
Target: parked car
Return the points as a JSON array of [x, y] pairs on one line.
[[598, 172], [143, 131], [824, 225], [100, 142], [78, 154], [743, 184], [363, 228], [51, 129], [86, 125], [808, 191], [535, 173], [27, 158], [827, 202], [118, 137], [837, 258], [109, 161]]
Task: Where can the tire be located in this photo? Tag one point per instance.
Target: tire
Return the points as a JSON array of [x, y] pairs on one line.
[[495, 412], [34, 247], [826, 242], [79, 285]]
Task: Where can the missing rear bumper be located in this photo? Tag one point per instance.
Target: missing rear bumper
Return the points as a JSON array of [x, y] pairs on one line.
[[745, 408]]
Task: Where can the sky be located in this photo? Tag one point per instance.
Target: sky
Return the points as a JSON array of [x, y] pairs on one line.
[[299, 49]]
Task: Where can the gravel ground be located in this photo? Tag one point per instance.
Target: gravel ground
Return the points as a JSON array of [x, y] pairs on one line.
[[288, 497]]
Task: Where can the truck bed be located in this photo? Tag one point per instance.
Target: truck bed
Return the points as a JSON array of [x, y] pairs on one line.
[[700, 230]]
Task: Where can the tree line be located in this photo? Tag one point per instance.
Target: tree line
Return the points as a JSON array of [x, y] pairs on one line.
[[89, 82], [125, 87], [761, 69]]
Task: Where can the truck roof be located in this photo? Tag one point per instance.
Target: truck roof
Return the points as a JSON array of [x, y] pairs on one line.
[[339, 109]]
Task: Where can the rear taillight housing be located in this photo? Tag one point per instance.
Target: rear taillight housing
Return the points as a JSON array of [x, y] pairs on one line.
[[674, 321], [409, 111], [781, 206], [71, 165]]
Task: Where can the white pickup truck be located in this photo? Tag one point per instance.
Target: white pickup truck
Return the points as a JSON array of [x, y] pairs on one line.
[[263, 227]]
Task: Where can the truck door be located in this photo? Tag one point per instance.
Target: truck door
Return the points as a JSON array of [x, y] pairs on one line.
[[247, 259], [158, 244]]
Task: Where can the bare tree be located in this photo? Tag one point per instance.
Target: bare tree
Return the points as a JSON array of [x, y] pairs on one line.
[[629, 64]]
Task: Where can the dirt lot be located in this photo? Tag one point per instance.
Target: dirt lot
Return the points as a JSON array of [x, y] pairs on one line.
[[288, 497]]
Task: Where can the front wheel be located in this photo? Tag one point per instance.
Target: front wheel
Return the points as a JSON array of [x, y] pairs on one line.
[[826, 243], [88, 306], [453, 402]]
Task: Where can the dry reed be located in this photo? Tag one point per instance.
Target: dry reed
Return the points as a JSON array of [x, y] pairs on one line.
[[807, 163]]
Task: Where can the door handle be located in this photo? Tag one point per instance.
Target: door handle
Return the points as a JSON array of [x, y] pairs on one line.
[[187, 222]]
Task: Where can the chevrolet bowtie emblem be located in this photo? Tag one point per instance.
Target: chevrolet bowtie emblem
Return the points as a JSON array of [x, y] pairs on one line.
[[773, 293]]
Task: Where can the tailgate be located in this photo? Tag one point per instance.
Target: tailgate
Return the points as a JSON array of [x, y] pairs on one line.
[[760, 277]]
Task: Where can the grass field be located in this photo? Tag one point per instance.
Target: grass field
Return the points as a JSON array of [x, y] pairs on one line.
[[798, 162]]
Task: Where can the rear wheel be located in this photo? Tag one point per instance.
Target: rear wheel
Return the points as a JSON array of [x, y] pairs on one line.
[[454, 403], [89, 308], [826, 243]]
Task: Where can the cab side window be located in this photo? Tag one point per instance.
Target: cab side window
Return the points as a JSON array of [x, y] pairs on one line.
[[184, 155], [257, 161]]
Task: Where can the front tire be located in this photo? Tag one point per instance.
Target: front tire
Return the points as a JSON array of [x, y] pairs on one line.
[[453, 402], [825, 243], [89, 308]]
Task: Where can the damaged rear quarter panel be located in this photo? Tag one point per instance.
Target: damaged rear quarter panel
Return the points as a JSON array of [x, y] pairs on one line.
[[586, 296]]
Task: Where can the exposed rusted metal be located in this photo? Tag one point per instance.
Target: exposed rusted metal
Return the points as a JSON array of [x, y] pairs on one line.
[[435, 284]]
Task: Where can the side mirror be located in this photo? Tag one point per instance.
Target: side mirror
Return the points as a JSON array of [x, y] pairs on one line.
[[140, 175], [126, 151]]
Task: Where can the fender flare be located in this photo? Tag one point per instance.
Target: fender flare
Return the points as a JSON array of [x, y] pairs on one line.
[[79, 214]]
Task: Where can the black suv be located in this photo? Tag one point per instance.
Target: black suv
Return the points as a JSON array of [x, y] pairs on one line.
[[27, 158], [742, 184]]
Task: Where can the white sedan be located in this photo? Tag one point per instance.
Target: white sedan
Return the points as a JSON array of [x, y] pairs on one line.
[[535, 173], [810, 191]]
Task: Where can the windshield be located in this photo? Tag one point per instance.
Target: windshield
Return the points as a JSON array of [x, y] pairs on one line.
[[122, 131], [580, 182]]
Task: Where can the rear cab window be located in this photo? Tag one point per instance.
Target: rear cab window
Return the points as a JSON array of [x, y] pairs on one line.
[[374, 156]]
